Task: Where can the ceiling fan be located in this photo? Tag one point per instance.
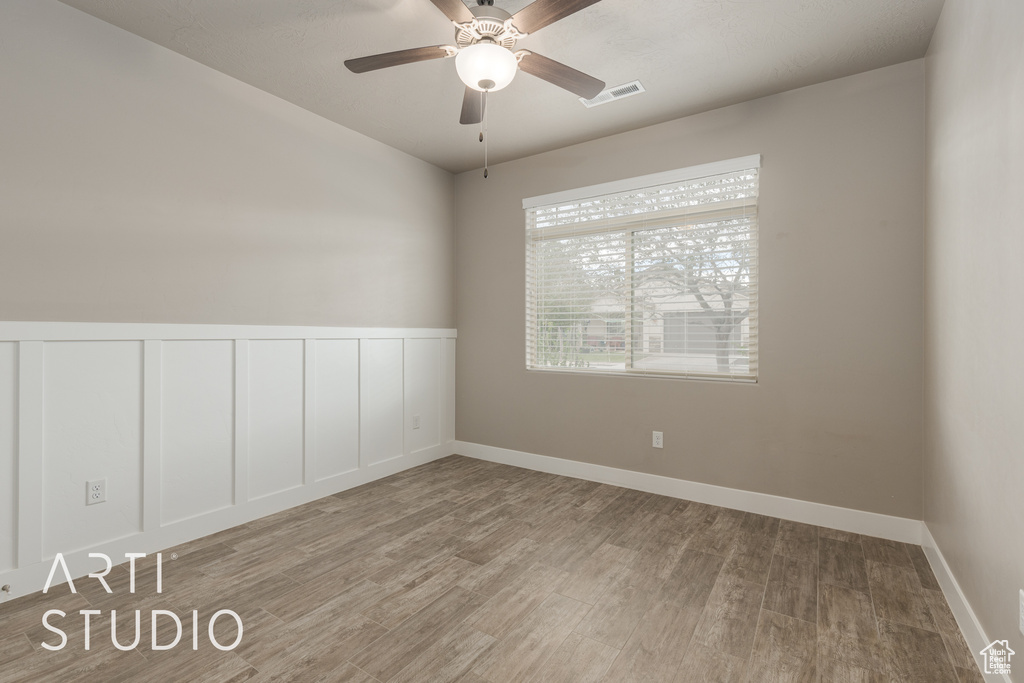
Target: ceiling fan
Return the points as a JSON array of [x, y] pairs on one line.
[[484, 58]]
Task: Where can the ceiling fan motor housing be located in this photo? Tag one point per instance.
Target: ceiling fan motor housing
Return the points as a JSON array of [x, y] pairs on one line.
[[491, 23]]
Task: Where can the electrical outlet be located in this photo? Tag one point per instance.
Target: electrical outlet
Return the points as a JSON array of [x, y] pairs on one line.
[[658, 440], [1021, 612], [415, 421], [95, 491]]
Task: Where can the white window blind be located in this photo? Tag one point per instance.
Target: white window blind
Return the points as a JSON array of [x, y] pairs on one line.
[[657, 280]]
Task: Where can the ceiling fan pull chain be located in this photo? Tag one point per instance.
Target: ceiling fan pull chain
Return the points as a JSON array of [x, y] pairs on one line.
[[483, 120]]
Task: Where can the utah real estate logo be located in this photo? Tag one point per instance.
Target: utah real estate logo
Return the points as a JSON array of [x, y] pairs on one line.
[[997, 657]]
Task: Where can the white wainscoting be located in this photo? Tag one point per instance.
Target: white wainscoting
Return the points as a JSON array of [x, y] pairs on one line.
[[8, 454], [198, 428]]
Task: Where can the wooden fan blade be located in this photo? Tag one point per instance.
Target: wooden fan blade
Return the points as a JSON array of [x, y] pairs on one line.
[[472, 107], [454, 10], [539, 14], [561, 75], [382, 61]]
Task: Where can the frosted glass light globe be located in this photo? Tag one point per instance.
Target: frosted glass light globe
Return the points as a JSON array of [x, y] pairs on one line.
[[486, 66]]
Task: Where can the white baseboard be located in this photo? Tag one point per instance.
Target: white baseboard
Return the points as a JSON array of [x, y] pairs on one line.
[[32, 578], [845, 519], [966, 619]]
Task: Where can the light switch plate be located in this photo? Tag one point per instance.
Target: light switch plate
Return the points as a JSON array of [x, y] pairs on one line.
[[1021, 611]]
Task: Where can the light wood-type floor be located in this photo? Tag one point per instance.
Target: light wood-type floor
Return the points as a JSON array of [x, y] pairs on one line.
[[463, 570]]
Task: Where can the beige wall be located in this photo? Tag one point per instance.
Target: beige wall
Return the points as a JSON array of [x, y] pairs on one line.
[[837, 415], [137, 185], [974, 466]]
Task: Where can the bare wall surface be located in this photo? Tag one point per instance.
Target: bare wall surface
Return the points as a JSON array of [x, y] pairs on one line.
[[974, 466], [836, 417], [140, 186]]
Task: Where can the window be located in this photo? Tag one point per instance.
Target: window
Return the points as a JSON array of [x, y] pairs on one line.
[[650, 276]]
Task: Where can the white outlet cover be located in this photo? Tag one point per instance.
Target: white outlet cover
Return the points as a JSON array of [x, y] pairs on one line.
[[658, 439], [95, 491]]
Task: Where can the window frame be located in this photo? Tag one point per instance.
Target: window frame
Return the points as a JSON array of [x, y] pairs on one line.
[[629, 226]]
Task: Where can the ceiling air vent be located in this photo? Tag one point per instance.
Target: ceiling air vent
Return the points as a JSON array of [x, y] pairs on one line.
[[616, 93]]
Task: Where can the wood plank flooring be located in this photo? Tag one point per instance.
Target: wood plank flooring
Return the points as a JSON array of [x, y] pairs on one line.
[[463, 570]]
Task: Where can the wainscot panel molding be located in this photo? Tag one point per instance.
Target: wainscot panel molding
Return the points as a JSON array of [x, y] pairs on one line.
[[198, 428]]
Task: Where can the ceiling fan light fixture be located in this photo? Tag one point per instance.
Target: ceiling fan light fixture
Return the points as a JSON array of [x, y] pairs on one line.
[[486, 66]]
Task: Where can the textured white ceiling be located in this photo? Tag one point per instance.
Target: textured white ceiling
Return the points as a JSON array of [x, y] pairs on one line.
[[691, 55]]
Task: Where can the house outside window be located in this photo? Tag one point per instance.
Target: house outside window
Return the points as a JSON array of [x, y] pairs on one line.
[[649, 276]]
